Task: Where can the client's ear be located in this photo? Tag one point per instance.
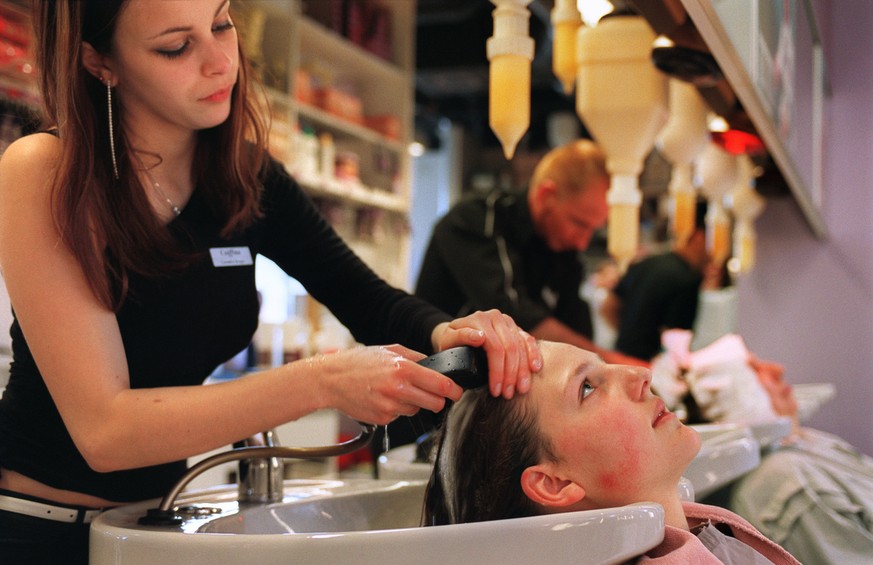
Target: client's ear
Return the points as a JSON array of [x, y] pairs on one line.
[[543, 487]]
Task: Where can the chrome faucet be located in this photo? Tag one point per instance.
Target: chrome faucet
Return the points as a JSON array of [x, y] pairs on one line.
[[266, 480], [261, 479]]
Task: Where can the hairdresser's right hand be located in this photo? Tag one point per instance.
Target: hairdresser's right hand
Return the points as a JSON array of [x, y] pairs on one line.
[[380, 383]]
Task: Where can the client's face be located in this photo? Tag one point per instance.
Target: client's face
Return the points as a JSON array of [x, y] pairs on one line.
[[612, 436]]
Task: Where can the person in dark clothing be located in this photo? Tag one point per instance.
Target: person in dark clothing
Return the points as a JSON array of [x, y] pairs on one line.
[[519, 252], [128, 236], [657, 293]]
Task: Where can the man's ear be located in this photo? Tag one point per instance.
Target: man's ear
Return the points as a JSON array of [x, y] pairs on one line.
[[547, 489], [544, 190], [95, 63]]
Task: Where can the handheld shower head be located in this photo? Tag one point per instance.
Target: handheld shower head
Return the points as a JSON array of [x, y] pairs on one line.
[[467, 366]]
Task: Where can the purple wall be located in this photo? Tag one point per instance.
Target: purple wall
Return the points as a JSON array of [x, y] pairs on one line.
[[809, 302]]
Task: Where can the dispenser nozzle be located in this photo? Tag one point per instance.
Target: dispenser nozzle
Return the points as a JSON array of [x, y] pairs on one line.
[[566, 21], [622, 99], [510, 51], [623, 227]]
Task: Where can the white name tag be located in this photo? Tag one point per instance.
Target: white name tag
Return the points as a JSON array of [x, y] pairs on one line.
[[231, 256]]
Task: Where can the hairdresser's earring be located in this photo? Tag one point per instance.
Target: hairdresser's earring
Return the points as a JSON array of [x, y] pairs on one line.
[[111, 127]]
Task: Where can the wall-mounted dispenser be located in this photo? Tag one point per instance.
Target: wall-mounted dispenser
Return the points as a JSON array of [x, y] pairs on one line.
[[680, 142], [510, 51], [746, 205], [566, 20], [718, 176], [622, 99]]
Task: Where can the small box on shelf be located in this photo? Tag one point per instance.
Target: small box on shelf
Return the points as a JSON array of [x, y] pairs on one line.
[[340, 102], [386, 124]]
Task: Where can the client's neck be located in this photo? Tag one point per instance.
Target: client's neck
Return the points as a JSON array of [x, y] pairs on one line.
[[669, 499], [674, 514]]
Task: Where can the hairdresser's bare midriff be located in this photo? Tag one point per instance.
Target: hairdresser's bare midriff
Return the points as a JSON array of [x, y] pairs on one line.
[[16, 482]]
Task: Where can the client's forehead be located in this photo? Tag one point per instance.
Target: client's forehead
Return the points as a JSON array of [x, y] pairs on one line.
[[559, 359], [556, 354]]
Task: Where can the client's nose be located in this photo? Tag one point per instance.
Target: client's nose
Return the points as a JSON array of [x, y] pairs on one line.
[[636, 381]]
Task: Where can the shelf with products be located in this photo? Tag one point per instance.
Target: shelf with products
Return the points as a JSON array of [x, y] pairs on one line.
[[342, 109], [337, 124], [321, 84], [359, 167]]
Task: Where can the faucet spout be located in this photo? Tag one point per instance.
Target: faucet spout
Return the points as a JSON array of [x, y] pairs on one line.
[[261, 479]]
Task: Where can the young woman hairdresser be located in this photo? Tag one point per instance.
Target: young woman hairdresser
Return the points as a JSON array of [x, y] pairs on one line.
[[128, 235], [588, 435]]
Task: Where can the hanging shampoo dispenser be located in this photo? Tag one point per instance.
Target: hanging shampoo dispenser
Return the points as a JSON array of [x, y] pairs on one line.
[[622, 100]]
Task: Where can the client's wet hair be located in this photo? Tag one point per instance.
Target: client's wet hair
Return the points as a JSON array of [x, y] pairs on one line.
[[484, 446]]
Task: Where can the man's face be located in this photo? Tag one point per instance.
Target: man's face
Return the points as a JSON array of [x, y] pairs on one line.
[[567, 223]]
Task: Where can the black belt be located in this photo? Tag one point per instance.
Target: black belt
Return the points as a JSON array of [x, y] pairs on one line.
[[47, 511]]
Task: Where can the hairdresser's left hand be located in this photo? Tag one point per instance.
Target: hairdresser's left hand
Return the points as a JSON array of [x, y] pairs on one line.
[[513, 354]]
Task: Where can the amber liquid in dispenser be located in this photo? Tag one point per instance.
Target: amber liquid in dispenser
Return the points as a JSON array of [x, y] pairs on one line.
[[509, 100], [623, 232], [683, 215], [719, 241], [564, 54]]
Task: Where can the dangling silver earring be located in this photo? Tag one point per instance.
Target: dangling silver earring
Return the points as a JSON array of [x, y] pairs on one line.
[[111, 127]]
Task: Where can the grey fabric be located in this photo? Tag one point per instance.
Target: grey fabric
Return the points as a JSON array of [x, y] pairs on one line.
[[728, 550], [814, 498]]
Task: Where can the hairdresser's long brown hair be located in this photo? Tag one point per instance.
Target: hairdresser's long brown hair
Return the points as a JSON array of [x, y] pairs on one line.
[[108, 223], [481, 455]]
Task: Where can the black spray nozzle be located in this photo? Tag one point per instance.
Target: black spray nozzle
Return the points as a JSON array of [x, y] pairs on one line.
[[467, 366]]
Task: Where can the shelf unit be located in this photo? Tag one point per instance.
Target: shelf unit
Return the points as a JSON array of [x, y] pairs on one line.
[[370, 212]]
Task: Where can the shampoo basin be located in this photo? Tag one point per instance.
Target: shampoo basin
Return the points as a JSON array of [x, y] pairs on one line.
[[727, 452], [363, 521], [400, 463]]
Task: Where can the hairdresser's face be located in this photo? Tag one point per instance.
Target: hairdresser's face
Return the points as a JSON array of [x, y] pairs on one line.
[[567, 223], [612, 435], [175, 62]]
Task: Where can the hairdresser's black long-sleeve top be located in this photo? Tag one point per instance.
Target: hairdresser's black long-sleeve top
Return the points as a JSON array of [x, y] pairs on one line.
[[179, 328]]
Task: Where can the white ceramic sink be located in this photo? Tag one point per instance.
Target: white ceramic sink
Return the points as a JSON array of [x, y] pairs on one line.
[[810, 398], [364, 521], [399, 463], [766, 433], [727, 452]]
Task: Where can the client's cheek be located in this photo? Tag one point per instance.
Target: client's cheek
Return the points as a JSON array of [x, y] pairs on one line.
[[615, 446], [625, 467]]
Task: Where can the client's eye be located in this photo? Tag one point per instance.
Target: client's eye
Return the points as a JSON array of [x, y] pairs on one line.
[[586, 389]]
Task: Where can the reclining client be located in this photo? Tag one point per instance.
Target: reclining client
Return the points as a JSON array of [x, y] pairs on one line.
[[588, 435]]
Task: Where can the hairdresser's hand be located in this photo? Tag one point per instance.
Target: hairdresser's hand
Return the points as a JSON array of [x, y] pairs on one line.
[[378, 384], [513, 354]]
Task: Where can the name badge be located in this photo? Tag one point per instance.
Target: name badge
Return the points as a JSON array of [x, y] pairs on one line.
[[231, 256]]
